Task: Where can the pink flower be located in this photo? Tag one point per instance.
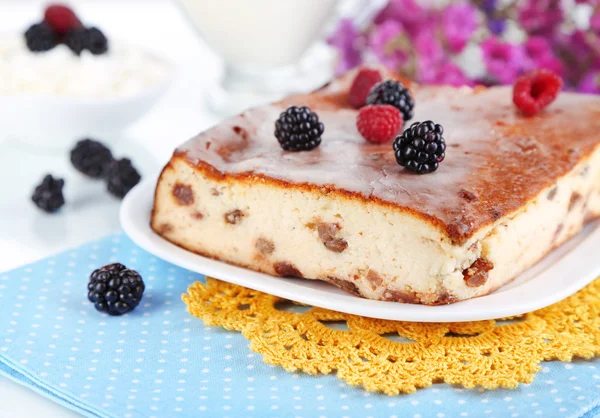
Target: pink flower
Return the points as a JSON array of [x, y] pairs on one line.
[[540, 55], [459, 21], [503, 60], [540, 17], [385, 42], [590, 83], [446, 73], [595, 23], [407, 12], [346, 39], [428, 47]]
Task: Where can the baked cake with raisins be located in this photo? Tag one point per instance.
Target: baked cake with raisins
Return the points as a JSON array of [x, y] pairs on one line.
[[510, 190]]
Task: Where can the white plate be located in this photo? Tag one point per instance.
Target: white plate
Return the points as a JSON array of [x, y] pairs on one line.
[[560, 274]]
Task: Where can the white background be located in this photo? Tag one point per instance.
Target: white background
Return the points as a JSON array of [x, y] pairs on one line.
[[26, 234]]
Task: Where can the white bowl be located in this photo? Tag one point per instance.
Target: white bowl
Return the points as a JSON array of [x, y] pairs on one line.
[[56, 121]]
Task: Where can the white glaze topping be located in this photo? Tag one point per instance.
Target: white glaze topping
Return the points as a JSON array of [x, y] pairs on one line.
[[496, 160]]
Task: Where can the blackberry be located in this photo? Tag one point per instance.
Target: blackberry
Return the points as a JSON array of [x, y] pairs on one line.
[[393, 93], [115, 289], [421, 147], [48, 195], [91, 158], [298, 129], [95, 41], [40, 37], [76, 40], [121, 177]]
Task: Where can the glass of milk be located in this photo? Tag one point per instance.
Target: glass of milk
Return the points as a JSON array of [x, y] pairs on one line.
[[270, 48]]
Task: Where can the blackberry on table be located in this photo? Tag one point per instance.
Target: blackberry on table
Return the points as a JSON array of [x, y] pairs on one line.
[[421, 148], [114, 289], [40, 37], [76, 40], [121, 177], [96, 42], [48, 196], [91, 158], [298, 129], [393, 93]]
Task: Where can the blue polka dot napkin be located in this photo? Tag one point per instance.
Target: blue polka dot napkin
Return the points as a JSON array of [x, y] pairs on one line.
[[159, 362]]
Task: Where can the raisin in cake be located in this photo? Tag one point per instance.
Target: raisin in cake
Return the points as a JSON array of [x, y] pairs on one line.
[[510, 190]]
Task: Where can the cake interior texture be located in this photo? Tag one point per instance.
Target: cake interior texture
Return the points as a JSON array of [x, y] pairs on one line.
[[509, 191]]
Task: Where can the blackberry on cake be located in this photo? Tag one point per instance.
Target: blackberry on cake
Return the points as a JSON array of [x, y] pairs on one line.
[[114, 289], [121, 177], [392, 92], [40, 37], [91, 158], [48, 196], [298, 129], [421, 148]]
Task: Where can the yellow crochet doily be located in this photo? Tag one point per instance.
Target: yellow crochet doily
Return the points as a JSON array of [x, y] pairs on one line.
[[399, 357]]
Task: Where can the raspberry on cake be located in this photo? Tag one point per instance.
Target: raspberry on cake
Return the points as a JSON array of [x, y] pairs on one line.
[[362, 84], [509, 189], [379, 123]]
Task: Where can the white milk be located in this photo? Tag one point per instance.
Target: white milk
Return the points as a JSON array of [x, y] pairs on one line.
[[265, 33]]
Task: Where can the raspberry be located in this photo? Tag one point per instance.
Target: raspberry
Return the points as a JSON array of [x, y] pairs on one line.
[[361, 86], [379, 123], [61, 18], [534, 91]]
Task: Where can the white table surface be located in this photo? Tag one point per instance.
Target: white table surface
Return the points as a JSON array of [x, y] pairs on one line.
[[26, 234]]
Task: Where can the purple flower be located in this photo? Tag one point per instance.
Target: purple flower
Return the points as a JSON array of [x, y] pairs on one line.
[[385, 42], [407, 12], [590, 83], [489, 6], [347, 40], [503, 60], [496, 26], [540, 55], [540, 17], [429, 48], [459, 21], [446, 73]]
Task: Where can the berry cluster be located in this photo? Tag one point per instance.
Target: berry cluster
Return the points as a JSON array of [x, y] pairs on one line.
[[61, 25], [93, 159], [384, 106]]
